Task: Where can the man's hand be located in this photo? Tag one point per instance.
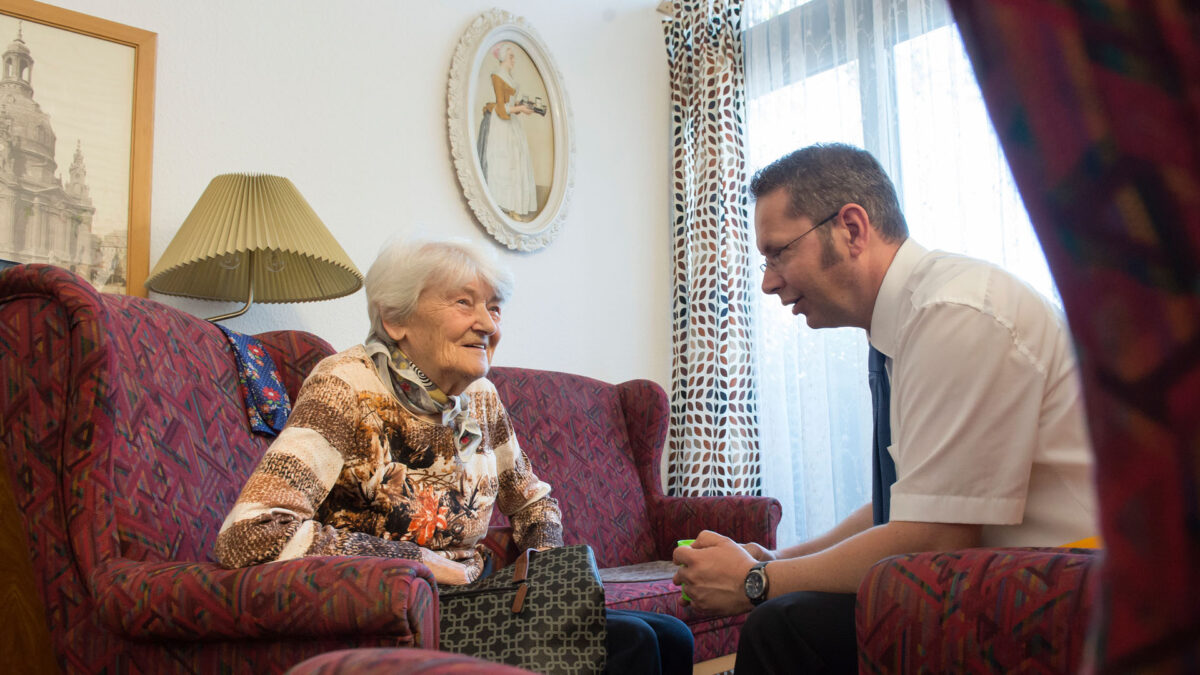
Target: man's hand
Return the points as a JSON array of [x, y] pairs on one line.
[[759, 553], [713, 573]]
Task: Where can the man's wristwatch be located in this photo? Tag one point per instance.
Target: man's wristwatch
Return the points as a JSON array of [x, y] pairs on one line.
[[756, 583]]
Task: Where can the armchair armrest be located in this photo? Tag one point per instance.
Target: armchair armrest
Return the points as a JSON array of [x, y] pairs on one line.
[[316, 597], [1002, 610], [740, 518]]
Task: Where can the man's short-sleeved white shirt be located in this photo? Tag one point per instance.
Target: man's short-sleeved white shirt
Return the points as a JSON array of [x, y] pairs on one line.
[[987, 413]]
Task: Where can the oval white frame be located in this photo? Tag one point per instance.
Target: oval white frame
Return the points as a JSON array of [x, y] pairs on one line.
[[486, 30]]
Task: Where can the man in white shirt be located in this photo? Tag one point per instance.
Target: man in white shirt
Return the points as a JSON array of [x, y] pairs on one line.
[[988, 434]]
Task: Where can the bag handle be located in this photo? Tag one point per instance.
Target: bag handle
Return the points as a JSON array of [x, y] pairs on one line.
[[521, 567], [520, 575]]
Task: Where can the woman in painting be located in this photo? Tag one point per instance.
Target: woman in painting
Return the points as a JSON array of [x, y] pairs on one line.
[[502, 145], [400, 447]]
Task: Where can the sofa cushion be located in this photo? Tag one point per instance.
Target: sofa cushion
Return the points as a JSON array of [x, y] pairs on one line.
[[573, 430], [160, 379], [172, 386]]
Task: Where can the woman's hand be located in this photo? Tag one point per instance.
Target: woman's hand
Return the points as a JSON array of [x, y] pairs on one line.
[[447, 571], [759, 553]]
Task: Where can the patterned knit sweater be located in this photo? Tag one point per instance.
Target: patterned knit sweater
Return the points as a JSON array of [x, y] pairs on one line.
[[355, 473]]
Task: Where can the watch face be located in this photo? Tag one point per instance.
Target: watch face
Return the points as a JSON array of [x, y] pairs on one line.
[[754, 584]]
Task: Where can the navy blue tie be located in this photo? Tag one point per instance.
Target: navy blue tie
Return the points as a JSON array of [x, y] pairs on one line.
[[883, 469]]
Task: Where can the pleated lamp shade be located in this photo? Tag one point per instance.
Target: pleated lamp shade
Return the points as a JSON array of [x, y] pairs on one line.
[[254, 238]]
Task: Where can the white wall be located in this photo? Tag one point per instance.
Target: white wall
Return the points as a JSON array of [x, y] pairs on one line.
[[348, 100]]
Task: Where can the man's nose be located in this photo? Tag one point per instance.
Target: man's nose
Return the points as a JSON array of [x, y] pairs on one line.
[[771, 282]]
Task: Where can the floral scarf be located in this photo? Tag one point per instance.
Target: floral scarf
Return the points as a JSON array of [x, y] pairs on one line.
[[267, 404], [420, 396]]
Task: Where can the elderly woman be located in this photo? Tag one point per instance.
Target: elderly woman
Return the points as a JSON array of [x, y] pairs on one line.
[[400, 447]]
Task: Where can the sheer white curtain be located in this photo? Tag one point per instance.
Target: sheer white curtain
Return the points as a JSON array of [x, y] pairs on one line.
[[889, 76]]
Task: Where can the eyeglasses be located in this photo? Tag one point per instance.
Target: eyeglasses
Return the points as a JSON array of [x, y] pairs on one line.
[[772, 259]]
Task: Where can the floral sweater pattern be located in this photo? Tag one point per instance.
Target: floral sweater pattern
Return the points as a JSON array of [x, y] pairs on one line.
[[355, 473]]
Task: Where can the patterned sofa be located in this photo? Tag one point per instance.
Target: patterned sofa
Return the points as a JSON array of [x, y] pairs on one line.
[[124, 441]]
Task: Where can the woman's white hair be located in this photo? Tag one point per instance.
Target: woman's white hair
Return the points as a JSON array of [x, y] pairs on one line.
[[405, 268]]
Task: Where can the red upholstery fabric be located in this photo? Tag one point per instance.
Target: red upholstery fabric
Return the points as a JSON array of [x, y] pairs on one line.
[[125, 443], [300, 599], [391, 661], [976, 611], [1097, 106], [574, 432], [600, 446]]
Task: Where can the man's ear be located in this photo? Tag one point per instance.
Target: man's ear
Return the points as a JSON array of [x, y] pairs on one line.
[[858, 228]]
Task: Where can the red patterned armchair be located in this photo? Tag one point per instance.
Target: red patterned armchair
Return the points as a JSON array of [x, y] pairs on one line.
[[124, 442], [986, 610]]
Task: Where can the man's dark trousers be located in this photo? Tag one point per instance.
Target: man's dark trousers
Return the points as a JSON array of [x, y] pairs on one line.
[[810, 631]]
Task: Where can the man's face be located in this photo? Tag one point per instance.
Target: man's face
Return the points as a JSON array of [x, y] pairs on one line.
[[811, 274]]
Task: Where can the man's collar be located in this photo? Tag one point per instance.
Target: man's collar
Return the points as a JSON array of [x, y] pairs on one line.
[[886, 315]]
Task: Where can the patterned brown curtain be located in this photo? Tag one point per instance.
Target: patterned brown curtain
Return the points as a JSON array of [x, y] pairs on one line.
[[713, 447], [1097, 104]]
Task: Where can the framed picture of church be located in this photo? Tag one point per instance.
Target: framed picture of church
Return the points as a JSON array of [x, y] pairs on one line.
[[76, 134], [510, 131]]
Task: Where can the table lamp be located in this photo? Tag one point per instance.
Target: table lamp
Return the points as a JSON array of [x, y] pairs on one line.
[[253, 237]]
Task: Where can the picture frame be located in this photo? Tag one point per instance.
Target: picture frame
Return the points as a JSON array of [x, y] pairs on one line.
[[510, 131], [76, 141]]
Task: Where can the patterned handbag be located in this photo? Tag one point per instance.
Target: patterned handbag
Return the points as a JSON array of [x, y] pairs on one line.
[[544, 613]]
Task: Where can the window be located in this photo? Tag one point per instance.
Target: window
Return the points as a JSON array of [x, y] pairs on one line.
[[890, 76]]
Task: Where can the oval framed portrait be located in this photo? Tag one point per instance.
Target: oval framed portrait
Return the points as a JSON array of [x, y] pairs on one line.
[[510, 131]]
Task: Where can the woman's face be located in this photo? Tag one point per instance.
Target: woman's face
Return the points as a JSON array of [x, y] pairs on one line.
[[452, 334]]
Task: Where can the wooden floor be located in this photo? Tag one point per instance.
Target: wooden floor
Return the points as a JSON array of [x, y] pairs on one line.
[[721, 664]]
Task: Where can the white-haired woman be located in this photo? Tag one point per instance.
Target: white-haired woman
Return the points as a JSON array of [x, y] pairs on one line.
[[400, 447]]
